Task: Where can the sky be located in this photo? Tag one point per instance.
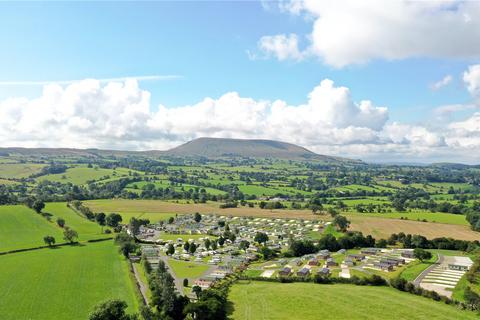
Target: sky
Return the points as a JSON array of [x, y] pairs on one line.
[[373, 80]]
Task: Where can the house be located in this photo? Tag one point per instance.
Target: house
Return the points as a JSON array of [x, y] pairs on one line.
[[395, 261], [356, 257], [370, 251], [304, 272], [313, 262], [323, 272], [408, 254], [331, 263], [458, 267], [323, 255], [349, 262], [383, 266], [285, 272], [203, 283]]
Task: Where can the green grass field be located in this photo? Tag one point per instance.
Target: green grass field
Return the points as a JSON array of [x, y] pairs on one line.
[[21, 227], [86, 229], [307, 301], [184, 269], [63, 283], [81, 174], [19, 170], [259, 190], [419, 215]]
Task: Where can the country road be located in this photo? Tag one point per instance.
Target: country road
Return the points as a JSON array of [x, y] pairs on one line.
[[424, 273]]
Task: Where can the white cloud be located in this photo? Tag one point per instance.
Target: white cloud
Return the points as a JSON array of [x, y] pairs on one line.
[[281, 46], [445, 81], [356, 32], [471, 77], [118, 115]]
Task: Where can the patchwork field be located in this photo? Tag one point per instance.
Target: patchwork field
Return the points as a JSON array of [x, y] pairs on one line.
[[63, 283], [21, 227], [307, 301]]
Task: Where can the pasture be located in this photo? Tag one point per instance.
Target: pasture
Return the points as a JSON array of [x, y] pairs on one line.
[[82, 174], [86, 229], [308, 301], [63, 283], [439, 217], [19, 170], [21, 227]]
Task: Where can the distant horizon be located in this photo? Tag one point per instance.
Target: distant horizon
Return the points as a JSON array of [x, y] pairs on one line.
[[373, 161], [144, 76]]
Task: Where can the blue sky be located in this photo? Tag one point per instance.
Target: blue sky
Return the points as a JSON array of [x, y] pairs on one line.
[[206, 44]]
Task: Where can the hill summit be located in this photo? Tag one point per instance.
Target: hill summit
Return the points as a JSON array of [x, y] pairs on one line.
[[252, 148]]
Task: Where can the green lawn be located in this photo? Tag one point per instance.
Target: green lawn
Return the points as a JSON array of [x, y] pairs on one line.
[[21, 227], [308, 301], [413, 270], [184, 269], [63, 283], [86, 229]]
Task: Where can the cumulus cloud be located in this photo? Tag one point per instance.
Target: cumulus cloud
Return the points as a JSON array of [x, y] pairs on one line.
[[445, 81], [471, 77], [356, 32], [281, 46], [118, 115]]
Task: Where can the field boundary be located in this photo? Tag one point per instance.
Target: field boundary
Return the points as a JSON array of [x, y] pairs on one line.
[[54, 246]]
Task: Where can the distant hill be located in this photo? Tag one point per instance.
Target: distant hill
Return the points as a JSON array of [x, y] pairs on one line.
[[220, 148], [212, 148]]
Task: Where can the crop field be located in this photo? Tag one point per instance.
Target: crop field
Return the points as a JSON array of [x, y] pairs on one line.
[[86, 229], [383, 228], [63, 283], [184, 269], [307, 301], [21, 227], [19, 170], [81, 174]]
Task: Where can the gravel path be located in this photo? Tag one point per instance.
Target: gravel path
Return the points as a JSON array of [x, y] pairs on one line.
[[143, 287]]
